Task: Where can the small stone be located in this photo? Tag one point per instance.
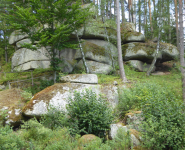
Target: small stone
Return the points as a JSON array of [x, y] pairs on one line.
[[85, 139], [2, 87], [115, 83]]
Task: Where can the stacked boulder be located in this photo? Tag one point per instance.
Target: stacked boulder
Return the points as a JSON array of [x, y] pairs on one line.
[[100, 54]]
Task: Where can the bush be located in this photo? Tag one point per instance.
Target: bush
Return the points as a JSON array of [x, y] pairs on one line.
[[134, 98], [89, 114], [54, 119], [163, 126]]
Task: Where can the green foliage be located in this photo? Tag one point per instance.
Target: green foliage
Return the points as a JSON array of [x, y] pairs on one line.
[[164, 124], [133, 98], [89, 113], [27, 95], [50, 23], [54, 119]]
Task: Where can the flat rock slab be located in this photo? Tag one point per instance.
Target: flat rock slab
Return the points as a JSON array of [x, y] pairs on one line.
[[158, 73], [95, 67], [139, 65], [81, 78]]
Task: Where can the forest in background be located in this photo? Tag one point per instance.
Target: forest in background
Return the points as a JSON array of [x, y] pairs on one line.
[[143, 13]]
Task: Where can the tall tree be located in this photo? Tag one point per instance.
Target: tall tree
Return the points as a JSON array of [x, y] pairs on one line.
[[139, 13], [50, 22], [158, 42], [177, 25], [120, 59], [182, 47], [123, 11], [150, 13]]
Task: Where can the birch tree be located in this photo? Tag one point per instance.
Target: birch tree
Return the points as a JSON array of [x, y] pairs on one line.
[[120, 59]]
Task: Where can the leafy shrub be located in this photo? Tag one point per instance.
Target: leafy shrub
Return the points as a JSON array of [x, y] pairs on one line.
[[121, 141], [54, 119], [89, 114], [164, 124], [139, 94]]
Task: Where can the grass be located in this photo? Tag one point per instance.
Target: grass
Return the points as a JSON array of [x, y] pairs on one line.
[[171, 80]]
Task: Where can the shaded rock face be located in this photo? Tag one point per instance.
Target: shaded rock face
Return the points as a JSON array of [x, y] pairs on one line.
[[12, 102], [16, 36], [139, 65], [146, 51]]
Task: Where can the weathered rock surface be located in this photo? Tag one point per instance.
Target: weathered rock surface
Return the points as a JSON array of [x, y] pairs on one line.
[[169, 52], [108, 46], [134, 135], [58, 94], [114, 129], [94, 52], [80, 78], [139, 51], [55, 96], [87, 138], [24, 41], [16, 36], [128, 37], [2, 87], [133, 119], [25, 59], [95, 67], [110, 92], [146, 51], [12, 101], [139, 65]]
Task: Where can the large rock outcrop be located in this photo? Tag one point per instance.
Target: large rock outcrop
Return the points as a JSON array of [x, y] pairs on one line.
[[98, 52], [58, 94], [145, 52]]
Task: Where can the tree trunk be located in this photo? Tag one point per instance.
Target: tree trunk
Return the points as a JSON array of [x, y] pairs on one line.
[[115, 7], [176, 21], [123, 11], [156, 54], [139, 15], [120, 59], [129, 9], [150, 13], [107, 9], [134, 13], [158, 45], [6, 54], [83, 56], [110, 9], [145, 17], [182, 48]]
